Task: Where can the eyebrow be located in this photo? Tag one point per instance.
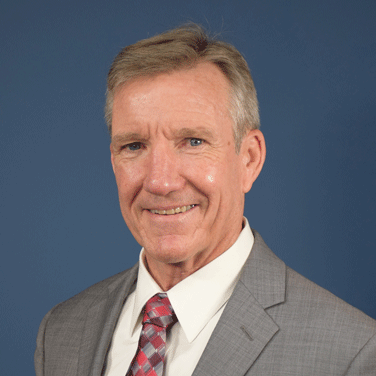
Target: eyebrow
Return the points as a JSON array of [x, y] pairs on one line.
[[126, 137], [199, 132]]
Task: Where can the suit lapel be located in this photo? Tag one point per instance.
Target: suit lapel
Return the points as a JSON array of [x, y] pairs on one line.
[[240, 335], [100, 324], [245, 328]]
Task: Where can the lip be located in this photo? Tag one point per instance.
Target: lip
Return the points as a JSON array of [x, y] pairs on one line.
[[169, 208], [173, 210]]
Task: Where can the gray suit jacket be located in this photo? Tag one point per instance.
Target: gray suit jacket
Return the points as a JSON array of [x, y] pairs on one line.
[[275, 323]]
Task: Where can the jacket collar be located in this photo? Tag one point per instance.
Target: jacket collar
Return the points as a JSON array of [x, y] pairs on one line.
[[264, 274], [101, 320], [245, 328]]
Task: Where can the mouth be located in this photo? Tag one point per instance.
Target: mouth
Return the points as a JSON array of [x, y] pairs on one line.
[[179, 209]]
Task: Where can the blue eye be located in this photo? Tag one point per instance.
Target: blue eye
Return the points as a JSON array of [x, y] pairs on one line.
[[134, 146], [195, 141]]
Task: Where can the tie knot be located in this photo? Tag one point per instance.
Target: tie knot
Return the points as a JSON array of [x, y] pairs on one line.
[[158, 311]]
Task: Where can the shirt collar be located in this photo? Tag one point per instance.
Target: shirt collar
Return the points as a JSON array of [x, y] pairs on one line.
[[197, 298]]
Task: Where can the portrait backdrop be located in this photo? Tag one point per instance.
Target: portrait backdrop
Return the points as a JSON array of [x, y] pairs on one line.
[[313, 63]]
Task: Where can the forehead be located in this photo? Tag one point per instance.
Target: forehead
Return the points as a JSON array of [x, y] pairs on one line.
[[199, 93]]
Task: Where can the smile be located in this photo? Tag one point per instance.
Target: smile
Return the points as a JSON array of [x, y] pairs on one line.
[[181, 209]]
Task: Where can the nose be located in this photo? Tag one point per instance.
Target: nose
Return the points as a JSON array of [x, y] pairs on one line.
[[162, 174]]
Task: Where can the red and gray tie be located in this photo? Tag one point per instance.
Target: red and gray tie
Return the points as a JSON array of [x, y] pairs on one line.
[[158, 318]]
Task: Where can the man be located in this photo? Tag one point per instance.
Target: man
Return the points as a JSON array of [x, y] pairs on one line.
[[207, 297]]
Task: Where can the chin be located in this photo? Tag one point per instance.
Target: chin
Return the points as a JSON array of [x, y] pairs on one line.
[[170, 252]]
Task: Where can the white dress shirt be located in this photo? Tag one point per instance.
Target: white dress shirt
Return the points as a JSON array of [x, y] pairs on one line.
[[198, 302]]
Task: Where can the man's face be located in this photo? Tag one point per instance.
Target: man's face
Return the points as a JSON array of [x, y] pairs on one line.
[[180, 181]]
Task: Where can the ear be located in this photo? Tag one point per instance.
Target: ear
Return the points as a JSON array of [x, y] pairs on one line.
[[252, 153]]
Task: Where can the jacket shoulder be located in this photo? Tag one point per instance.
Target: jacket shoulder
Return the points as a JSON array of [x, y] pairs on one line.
[[317, 330], [82, 301], [62, 330], [320, 305], [323, 326]]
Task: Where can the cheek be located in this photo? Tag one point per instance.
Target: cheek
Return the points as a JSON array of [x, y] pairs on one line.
[[219, 174], [202, 174], [208, 179], [128, 180], [221, 179]]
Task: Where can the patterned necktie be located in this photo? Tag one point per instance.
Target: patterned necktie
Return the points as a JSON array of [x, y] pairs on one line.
[[158, 318]]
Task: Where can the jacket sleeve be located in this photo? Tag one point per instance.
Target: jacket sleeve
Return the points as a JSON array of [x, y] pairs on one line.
[[364, 364]]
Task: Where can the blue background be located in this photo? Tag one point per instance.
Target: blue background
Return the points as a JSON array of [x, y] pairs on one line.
[[313, 64]]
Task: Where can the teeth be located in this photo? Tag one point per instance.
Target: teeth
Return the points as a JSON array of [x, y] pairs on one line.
[[181, 209]]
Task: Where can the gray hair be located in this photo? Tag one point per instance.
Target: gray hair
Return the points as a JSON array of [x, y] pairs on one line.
[[183, 48]]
